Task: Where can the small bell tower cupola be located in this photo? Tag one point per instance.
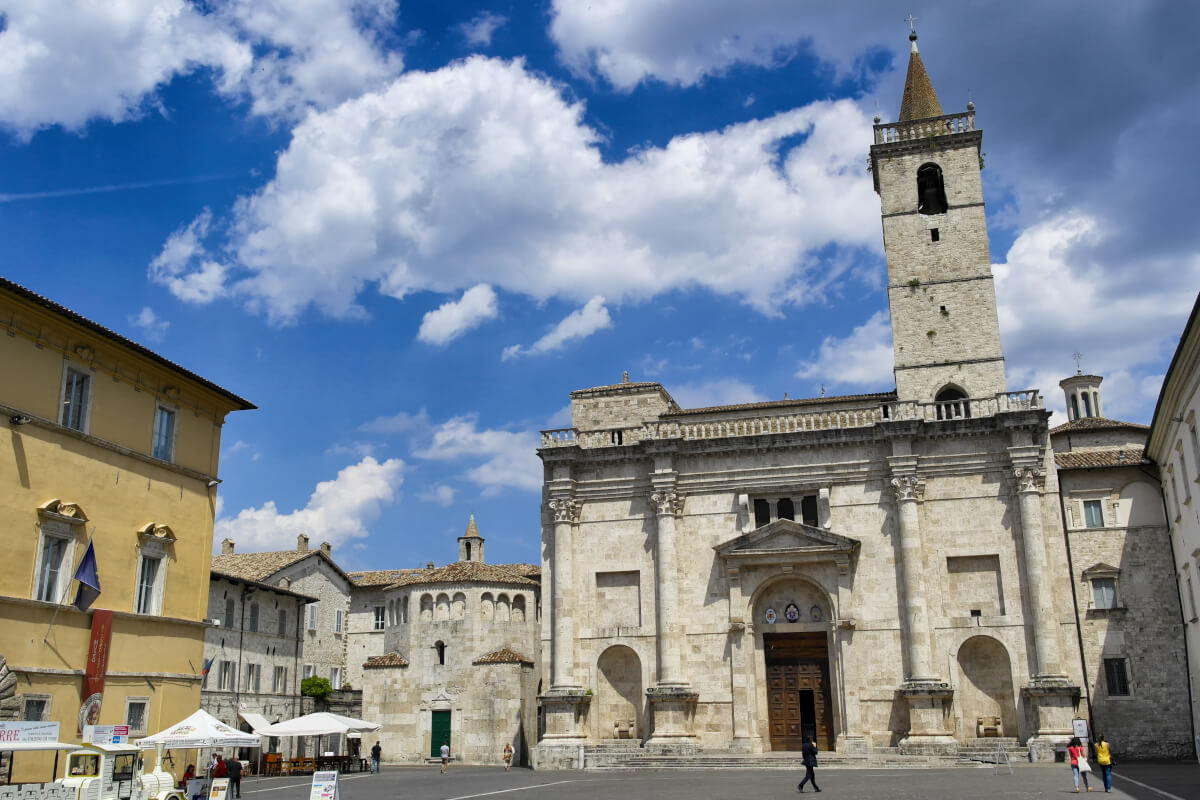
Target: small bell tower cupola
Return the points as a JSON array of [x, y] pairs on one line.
[[470, 544], [1082, 395], [926, 167]]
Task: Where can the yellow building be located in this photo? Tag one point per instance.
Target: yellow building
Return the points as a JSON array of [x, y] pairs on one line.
[[101, 441]]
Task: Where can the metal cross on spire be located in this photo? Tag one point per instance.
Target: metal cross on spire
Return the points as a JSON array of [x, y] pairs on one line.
[[1078, 362], [910, 19]]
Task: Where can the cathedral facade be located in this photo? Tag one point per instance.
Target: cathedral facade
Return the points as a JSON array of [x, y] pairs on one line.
[[881, 570]]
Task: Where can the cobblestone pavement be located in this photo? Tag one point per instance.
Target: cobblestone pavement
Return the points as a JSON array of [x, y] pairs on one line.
[[1139, 781]]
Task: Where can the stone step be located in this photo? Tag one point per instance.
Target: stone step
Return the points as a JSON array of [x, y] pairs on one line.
[[883, 758]]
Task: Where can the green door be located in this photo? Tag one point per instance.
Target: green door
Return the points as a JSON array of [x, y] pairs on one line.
[[440, 733]]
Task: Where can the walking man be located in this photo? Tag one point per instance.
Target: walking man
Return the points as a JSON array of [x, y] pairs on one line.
[[376, 755], [445, 756], [233, 768], [809, 759]]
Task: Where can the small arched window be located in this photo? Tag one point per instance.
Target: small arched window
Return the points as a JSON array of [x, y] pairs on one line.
[[952, 404], [440, 646], [931, 190], [762, 513]]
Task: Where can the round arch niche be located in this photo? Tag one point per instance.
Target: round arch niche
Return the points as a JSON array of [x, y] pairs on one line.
[[985, 688], [619, 693]]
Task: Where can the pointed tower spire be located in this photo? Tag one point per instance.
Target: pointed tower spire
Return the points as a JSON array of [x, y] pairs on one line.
[[470, 544], [920, 100]]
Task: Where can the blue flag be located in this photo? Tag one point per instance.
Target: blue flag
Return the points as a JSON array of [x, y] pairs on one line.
[[89, 579], [208, 665]]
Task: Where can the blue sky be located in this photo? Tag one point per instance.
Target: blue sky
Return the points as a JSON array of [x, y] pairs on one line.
[[407, 230]]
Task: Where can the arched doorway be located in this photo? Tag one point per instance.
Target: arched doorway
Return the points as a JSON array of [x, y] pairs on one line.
[[985, 688], [619, 693]]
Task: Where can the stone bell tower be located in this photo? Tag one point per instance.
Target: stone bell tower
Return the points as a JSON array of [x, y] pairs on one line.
[[926, 166]]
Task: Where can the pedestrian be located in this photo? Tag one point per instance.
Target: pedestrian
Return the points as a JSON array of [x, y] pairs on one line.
[[445, 756], [376, 755], [188, 775], [506, 754], [809, 759], [233, 768], [220, 769], [1104, 759], [1079, 763]]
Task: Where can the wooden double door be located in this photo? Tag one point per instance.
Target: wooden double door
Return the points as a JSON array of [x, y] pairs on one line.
[[798, 693]]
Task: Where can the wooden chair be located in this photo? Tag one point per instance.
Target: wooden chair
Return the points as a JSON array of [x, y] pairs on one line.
[[273, 764]]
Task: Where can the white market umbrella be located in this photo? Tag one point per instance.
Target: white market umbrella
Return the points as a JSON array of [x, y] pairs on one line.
[[321, 723], [200, 730]]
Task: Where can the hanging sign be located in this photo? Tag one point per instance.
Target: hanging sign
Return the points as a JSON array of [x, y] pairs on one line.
[[97, 667], [28, 732], [324, 786]]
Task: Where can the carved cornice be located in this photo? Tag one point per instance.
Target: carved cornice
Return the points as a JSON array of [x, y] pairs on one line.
[[668, 502], [1029, 479], [908, 487], [65, 511], [564, 509]]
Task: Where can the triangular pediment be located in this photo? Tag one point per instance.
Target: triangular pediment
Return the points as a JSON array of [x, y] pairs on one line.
[[1101, 569], [783, 536]]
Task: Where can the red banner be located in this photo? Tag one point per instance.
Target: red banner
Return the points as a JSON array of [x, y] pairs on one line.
[[97, 667]]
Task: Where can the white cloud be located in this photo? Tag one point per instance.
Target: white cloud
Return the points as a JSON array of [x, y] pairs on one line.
[[338, 511], [864, 358], [401, 422], [479, 31], [724, 392], [71, 61], [441, 494], [451, 320], [1057, 294], [579, 324], [149, 323], [509, 458], [482, 172], [184, 267]]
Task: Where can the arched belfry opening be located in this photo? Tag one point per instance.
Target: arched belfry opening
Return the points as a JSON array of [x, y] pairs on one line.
[[931, 190], [952, 403]]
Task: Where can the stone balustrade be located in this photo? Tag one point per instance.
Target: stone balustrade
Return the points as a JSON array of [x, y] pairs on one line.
[[764, 424], [892, 132]]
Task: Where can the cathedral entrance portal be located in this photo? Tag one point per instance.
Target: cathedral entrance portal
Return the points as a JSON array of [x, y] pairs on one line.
[[798, 696]]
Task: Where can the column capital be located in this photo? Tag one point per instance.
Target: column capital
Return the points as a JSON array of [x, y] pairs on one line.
[[668, 501], [908, 487], [1028, 479], [564, 509]]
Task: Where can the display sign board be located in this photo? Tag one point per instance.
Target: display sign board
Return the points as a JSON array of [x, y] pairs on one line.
[[324, 786], [1080, 728], [106, 734], [219, 789], [28, 732]]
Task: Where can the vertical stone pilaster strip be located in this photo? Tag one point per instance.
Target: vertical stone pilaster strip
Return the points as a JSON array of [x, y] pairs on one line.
[[909, 492], [1029, 482], [562, 642], [669, 504]]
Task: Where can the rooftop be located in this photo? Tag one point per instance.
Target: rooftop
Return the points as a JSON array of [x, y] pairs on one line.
[[1097, 424], [503, 656], [260, 566], [469, 572], [385, 660], [1099, 459]]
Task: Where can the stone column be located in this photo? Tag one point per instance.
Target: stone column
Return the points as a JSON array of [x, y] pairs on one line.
[[562, 642], [1050, 693], [672, 701], [926, 694]]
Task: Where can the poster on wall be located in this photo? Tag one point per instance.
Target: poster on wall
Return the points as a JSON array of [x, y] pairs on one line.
[[97, 666]]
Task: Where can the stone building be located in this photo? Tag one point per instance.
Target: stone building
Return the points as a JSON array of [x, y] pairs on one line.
[[253, 655], [367, 624], [111, 446], [1127, 602], [874, 571], [1174, 444], [461, 646]]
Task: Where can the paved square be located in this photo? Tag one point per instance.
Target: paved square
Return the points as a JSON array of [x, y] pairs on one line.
[[468, 783]]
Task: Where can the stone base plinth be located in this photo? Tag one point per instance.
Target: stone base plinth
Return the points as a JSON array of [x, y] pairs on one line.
[[928, 707], [672, 710], [1054, 700], [564, 711], [852, 745]]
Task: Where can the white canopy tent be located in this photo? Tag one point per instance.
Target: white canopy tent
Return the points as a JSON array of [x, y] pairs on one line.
[[322, 723], [201, 730]]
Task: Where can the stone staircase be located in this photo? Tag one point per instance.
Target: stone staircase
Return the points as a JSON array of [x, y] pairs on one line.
[[986, 750], [630, 755]]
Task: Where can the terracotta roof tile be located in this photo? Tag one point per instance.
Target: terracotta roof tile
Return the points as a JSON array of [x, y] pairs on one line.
[[1093, 459], [503, 656], [920, 100], [260, 566], [385, 660], [1097, 424], [216, 573], [466, 572], [525, 570], [379, 577]]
